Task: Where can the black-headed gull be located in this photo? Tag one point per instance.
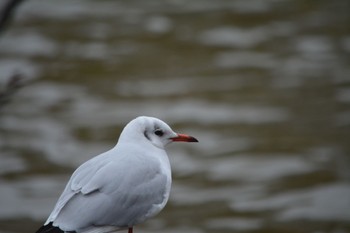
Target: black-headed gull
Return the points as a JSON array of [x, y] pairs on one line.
[[119, 188]]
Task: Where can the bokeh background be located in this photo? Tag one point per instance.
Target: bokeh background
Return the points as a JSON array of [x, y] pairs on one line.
[[263, 84]]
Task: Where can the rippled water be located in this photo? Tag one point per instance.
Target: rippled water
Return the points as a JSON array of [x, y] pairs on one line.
[[263, 85]]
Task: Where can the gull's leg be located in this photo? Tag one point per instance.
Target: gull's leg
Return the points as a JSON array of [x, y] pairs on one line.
[[130, 230]]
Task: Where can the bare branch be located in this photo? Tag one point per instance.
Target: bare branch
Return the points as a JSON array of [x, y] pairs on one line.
[[12, 85], [6, 12]]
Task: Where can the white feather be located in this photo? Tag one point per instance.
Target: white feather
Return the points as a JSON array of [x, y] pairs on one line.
[[119, 188]]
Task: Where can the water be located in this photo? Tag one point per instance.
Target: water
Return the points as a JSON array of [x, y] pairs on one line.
[[263, 85]]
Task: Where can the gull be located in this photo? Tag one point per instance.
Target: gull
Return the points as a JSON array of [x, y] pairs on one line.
[[122, 187]]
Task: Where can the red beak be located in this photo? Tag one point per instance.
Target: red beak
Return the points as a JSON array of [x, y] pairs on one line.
[[183, 138]]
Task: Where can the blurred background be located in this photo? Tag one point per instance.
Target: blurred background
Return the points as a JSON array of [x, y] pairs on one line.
[[263, 84]]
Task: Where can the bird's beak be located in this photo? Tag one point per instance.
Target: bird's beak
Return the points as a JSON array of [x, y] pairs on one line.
[[183, 138]]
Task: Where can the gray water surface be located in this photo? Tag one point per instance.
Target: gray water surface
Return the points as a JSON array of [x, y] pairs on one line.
[[263, 85]]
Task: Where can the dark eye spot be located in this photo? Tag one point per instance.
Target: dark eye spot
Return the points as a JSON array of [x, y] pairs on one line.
[[159, 132], [146, 135]]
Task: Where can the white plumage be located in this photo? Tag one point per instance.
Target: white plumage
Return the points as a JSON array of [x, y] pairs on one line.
[[121, 187]]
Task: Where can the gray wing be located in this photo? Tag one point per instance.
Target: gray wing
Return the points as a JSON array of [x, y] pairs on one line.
[[79, 178], [102, 192]]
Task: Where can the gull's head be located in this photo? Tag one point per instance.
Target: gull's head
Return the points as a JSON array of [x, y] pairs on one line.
[[154, 131]]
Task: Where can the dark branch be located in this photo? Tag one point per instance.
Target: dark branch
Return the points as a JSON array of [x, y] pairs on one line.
[[12, 85], [7, 11]]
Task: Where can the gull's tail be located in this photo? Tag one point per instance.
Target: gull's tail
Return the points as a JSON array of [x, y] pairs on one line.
[[50, 229]]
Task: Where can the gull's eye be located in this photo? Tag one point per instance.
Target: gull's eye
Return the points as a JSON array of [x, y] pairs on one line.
[[159, 132]]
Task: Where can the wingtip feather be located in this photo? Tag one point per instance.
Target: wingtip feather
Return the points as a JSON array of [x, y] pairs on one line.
[[49, 228]]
